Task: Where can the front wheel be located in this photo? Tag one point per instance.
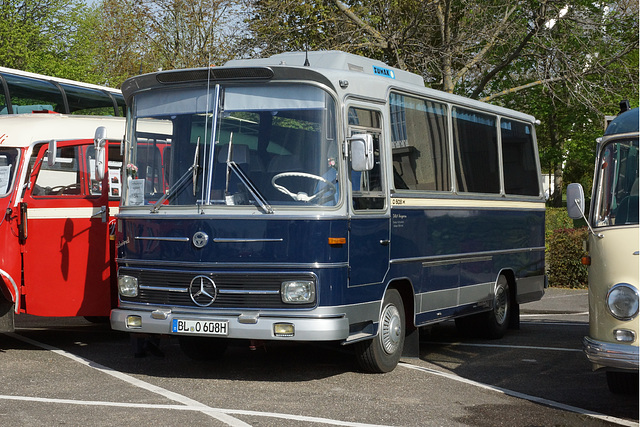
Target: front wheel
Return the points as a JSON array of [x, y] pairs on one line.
[[382, 353]]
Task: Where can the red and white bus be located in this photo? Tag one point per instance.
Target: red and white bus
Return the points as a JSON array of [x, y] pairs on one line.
[[56, 255]]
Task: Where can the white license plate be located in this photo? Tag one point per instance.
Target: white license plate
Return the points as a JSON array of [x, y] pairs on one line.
[[206, 327]]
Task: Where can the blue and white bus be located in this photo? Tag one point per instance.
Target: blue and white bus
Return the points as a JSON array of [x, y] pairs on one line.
[[335, 201]]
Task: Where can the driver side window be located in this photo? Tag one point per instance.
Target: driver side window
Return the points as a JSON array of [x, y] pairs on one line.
[[367, 186], [61, 179]]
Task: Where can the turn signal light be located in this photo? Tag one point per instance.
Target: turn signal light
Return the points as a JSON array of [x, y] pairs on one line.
[[337, 240], [586, 260]]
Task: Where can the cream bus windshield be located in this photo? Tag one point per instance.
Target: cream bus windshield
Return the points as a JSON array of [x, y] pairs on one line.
[[617, 184]]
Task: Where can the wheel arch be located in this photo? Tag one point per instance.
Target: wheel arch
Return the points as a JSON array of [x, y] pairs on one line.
[[406, 291]]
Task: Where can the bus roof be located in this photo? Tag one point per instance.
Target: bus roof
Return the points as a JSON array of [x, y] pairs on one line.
[[22, 130], [334, 60], [57, 79], [625, 123], [348, 74]]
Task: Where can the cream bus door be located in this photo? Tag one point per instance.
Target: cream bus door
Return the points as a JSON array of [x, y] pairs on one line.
[[370, 223], [65, 254]]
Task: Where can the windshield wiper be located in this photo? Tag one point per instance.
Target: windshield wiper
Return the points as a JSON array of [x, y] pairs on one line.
[[249, 185], [179, 183]]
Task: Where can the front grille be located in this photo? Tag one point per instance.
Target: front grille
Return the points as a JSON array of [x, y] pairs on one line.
[[235, 290]]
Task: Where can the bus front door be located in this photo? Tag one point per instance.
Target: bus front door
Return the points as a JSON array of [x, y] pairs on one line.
[[66, 245], [370, 223]]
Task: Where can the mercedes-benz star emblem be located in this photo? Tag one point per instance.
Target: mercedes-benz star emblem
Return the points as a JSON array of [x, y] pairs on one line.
[[200, 239], [203, 291]]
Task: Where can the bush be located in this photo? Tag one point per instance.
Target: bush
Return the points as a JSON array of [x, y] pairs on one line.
[[555, 219], [564, 252]]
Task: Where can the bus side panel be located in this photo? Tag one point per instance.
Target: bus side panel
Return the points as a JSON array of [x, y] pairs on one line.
[[456, 260]]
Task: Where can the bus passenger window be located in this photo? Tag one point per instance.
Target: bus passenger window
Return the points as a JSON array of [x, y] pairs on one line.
[[419, 144], [518, 159], [475, 147]]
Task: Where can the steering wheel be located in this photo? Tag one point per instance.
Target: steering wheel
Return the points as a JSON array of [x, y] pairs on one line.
[[60, 189], [302, 196]]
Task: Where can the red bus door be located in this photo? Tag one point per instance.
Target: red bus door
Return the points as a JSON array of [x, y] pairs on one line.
[[66, 252]]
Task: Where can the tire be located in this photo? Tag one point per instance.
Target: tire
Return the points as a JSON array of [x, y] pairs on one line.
[[382, 353], [497, 320], [203, 349], [622, 382], [494, 323]]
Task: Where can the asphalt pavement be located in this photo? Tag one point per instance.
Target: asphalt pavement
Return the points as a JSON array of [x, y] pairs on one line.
[[559, 301]]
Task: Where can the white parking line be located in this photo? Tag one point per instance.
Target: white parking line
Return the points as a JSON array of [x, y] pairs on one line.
[[187, 404], [546, 402], [582, 313], [524, 347]]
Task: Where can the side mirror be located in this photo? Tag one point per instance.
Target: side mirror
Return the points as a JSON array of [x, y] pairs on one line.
[[575, 201], [99, 143], [51, 152], [361, 152]]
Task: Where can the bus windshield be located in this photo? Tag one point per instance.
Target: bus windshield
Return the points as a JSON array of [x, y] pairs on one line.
[[8, 166], [272, 145], [617, 184]]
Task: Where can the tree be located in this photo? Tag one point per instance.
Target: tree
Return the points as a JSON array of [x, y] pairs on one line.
[[47, 36], [145, 35], [562, 62]]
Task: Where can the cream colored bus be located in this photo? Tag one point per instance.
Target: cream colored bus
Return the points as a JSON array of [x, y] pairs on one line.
[[613, 246]]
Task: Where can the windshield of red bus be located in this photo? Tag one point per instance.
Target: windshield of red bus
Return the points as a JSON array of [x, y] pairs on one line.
[[616, 193], [8, 167], [272, 145]]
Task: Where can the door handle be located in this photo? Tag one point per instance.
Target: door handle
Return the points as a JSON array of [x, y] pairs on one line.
[[385, 242], [103, 212]]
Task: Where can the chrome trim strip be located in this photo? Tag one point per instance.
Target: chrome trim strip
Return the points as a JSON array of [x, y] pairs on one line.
[[220, 291], [456, 261], [233, 240], [247, 292], [164, 289], [123, 262], [470, 257], [163, 239]]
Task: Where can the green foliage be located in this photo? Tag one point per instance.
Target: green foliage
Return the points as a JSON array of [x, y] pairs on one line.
[[555, 219], [565, 269], [564, 249], [48, 37]]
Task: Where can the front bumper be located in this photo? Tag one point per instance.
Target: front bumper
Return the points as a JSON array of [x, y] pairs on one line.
[[250, 325], [611, 355]]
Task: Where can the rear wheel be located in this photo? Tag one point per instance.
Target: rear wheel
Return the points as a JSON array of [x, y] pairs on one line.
[[497, 320], [201, 348], [382, 353], [492, 324], [622, 382]]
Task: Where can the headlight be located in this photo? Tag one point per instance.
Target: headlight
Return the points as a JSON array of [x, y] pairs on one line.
[[128, 286], [298, 291], [622, 301]]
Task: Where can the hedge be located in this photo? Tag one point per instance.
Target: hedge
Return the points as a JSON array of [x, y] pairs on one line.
[[565, 249]]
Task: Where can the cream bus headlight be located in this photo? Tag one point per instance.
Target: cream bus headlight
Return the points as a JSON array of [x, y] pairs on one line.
[[622, 301], [128, 286], [298, 291]]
